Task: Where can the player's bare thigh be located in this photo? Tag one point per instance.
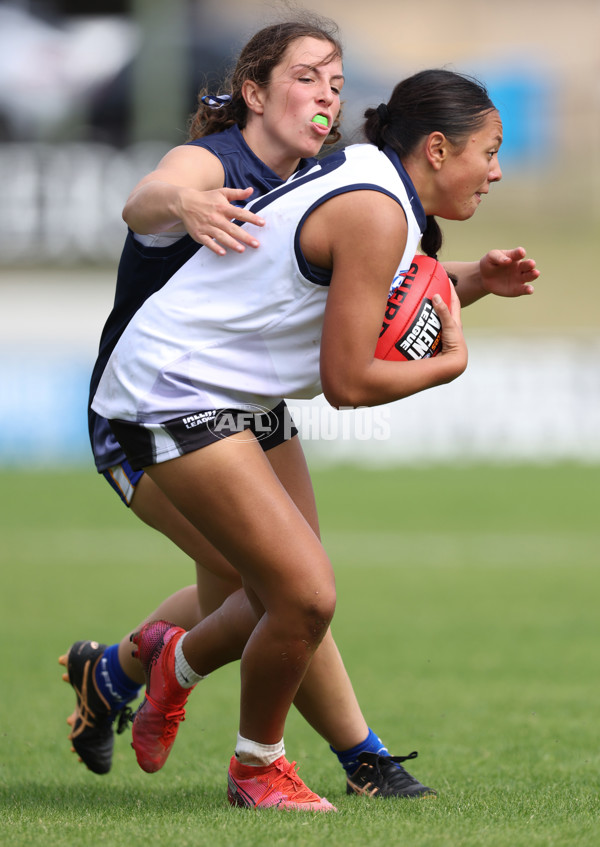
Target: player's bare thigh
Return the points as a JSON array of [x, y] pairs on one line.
[[229, 491]]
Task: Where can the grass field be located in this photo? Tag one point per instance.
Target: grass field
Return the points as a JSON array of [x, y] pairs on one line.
[[467, 616]]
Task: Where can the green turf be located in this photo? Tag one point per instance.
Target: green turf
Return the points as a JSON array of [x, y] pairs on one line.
[[467, 617]]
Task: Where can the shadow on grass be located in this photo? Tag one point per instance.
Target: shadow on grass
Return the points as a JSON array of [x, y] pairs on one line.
[[29, 796]]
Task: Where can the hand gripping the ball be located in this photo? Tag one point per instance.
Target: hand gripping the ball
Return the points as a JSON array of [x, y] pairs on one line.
[[454, 347]]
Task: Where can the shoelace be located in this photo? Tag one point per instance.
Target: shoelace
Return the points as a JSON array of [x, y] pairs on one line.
[[173, 717], [391, 768], [297, 791]]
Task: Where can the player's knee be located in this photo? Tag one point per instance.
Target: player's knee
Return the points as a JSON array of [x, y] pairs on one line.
[[317, 612]]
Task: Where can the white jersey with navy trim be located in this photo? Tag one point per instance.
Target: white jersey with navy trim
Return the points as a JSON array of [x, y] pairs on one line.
[[240, 329], [146, 267]]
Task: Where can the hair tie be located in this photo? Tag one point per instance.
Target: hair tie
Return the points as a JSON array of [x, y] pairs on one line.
[[216, 101], [383, 113]]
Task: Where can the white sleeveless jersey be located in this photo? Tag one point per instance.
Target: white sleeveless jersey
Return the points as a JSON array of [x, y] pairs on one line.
[[245, 329]]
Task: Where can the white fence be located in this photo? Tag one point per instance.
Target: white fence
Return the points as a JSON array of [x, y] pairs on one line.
[[522, 397], [520, 400]]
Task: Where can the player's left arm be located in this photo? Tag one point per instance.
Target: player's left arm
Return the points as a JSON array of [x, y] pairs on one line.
[[506, 273]]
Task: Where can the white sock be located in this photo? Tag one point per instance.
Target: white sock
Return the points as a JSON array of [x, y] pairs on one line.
[[186, 676], [254, 753]]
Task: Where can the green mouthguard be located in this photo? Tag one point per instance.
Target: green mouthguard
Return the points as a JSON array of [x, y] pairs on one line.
[[319, 119]]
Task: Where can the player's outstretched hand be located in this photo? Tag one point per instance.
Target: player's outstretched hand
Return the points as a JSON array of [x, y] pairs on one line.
[[508, 273], [208, 217]]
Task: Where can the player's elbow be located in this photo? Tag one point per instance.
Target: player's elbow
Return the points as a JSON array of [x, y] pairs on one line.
[[130, 218], [127, 215], [343, 394]]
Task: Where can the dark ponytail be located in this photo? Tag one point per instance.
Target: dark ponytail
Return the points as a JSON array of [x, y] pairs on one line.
[[431, 240]]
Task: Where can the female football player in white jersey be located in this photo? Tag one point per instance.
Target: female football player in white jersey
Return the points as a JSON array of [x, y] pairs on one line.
[[264, 142], [257, 136], [232, 334]]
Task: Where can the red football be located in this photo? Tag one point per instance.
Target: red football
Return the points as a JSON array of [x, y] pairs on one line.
[[411, 329]]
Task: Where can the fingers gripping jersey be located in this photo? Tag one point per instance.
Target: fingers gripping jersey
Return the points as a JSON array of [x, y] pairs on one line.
[[245, 328]]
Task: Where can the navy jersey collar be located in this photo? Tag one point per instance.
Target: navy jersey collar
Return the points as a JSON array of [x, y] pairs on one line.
[[418, 210], [235, 130]]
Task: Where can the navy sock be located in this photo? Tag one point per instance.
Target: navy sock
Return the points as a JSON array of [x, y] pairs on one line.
[[113, 683], [371, 744]]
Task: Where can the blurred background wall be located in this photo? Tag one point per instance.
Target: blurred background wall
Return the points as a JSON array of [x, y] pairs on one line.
[[92, 94]]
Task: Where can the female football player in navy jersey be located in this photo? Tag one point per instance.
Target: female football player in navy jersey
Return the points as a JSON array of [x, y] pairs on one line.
[[287, 75], [226, 336]]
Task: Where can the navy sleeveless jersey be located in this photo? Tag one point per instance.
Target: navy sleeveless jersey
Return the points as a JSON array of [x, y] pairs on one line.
[[144, 270]]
